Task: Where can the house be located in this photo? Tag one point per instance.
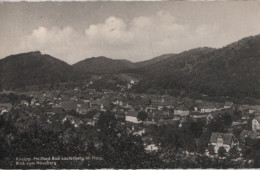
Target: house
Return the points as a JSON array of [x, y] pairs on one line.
[[51, 101], [151, 148], [24, 103], [200, 117], [5, 107], [251, 111], [129, 86], [195, 108], [69, 105], [77, 122], [248, 134], [131, 116], [228, 105], [118, 102], [74, 121], [208, 109], [166, 120], [225, 140], [33, 101], [83, 109], [118, 108], [120, 115], [256, 123], [57, 109], [239, 124], [181, 111], [155, 115], [96, 117], [147, 140], [139, 132], [88, 121], [106, 91], [211, 116]]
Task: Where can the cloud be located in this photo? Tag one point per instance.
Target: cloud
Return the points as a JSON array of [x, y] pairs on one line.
[[141, 38]]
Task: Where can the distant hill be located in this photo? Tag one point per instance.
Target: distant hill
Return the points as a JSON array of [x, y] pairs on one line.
[[153, 60], [229, 71], [172, 63], [33, 68], [103, 65]]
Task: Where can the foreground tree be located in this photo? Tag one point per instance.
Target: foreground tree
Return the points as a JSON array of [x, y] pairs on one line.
[[222, 152], [142, 115]]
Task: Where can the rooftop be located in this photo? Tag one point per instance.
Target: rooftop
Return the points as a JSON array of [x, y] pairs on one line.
[[227, 137]]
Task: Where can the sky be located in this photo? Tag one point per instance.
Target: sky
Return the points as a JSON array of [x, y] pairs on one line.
[[136, 31]]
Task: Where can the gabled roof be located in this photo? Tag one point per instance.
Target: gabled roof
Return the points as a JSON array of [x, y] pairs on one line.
[[84, 106], [227, 137], [97, 115], [132, 113]]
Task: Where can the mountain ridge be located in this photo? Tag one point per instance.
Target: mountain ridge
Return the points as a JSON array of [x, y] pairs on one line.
[[231, 70], [228, 71], [33, 68]]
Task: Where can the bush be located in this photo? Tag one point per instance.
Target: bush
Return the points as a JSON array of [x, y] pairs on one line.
[[222, 152]]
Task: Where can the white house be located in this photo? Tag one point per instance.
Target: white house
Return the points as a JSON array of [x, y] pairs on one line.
[[208, 109], [228, 105], [181, 112], [256, 123], [24, 103], [251, 111], [132, 82], [140, 132], [225, 140], [131, 116], [151, 148]]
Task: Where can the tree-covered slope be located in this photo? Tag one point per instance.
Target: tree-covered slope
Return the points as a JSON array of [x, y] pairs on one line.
[[33, 68]]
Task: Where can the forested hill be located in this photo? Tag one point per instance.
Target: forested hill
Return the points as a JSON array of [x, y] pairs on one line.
[[229, 71], [102, 65], [33, 68]]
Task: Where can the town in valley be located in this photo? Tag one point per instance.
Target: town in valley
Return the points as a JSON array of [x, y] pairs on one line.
[[160, 130], [130, 84]]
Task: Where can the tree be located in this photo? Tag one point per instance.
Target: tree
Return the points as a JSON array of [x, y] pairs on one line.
[[211, 149], [203, 142], [233, 153], [237, 114], [257, 159], [222, 151], [227, 120], [196, 129], [142, 115]]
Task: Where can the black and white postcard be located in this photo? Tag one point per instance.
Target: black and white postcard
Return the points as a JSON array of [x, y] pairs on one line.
[[129, 84]]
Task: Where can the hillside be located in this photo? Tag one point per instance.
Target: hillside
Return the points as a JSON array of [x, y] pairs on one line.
[[33, 68], [103, 65], [153, 60], [229, 71]]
